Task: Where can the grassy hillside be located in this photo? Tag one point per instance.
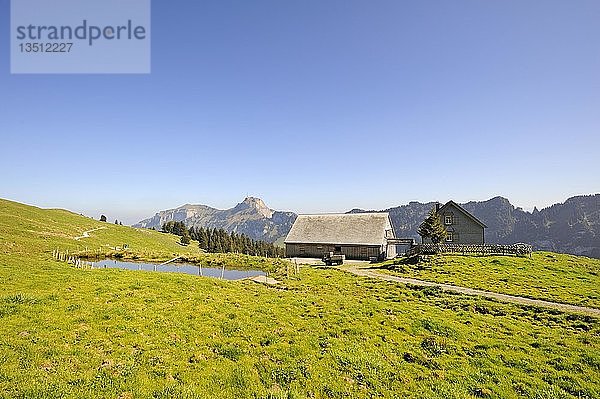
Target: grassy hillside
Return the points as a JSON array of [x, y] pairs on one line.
[[27, 230], [72, 333], [549, 276]]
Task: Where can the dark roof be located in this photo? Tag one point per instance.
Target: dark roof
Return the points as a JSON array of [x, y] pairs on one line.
[[463, 210], [348, 228]]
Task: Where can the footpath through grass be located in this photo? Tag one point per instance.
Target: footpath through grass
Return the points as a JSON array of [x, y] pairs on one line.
[[549, 276]]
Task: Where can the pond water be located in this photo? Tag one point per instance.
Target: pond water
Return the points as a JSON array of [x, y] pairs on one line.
[[227, 274]]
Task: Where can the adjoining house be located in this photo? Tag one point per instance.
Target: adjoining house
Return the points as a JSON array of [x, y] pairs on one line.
[[360, 236], [461, 225]]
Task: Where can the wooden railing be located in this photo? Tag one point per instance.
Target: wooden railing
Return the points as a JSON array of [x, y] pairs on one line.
[[519, 249]]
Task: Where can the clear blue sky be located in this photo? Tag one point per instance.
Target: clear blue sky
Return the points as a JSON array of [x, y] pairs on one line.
[[317, 106]]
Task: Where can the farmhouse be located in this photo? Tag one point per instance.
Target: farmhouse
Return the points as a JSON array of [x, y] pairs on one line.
[[462, 226], [360, 236]]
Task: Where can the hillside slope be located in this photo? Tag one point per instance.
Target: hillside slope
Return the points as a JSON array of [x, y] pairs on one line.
[[546, 276], [27, 229]]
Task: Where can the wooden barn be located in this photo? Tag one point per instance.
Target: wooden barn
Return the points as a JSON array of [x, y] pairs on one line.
[[360, 236], [461, 225]]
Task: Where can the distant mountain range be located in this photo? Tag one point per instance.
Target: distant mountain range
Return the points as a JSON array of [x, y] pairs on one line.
[[570, 227]]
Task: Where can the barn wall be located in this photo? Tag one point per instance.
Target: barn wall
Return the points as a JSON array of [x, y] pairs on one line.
[[357, 252]]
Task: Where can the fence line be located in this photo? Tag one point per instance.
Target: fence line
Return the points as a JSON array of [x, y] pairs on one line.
[[71, 259], [519, 249]]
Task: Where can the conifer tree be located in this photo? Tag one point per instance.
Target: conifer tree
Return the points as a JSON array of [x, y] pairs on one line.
[[203, 238], [220, 241], [185, 239], [168, 227], [433, 228]]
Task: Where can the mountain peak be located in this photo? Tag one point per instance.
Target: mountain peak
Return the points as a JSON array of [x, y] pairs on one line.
[[255, 204], [252, 200]]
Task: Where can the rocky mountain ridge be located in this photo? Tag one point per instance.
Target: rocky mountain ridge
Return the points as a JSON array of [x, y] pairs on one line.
[[569, 227], [251, 217]]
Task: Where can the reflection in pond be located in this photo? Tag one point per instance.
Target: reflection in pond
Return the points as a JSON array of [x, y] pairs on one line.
[[227, 274]]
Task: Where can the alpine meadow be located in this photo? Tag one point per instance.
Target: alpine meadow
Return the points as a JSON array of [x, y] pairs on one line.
[[75, 333]]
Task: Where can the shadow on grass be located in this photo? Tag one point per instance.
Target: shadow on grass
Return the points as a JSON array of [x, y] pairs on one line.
[[397, 264]]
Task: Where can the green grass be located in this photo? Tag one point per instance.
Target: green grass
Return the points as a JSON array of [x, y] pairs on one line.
[[112, 333], [549, 276], [73, 333]]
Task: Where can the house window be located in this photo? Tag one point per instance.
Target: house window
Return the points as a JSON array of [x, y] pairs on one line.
[[450, 237], [448, 220]]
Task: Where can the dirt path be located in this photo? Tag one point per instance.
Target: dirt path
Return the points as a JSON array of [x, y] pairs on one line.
[[86, 234], [471, 291]]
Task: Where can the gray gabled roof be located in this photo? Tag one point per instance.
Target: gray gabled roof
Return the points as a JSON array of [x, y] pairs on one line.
[[347, 228], [463, 210]]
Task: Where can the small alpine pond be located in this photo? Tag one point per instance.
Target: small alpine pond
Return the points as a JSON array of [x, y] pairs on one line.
[[188, 268]]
